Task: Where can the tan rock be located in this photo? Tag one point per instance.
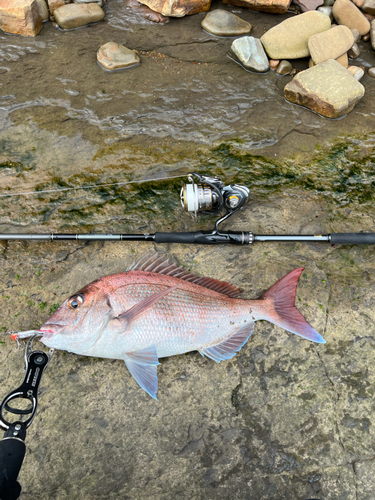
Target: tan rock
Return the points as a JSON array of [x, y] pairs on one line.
[[327, 88], [274, 64], [76, 15], [284, 68], [43, 10], [222, 23], [343, 60], [271, 6], [178, 8], [372, 34], [369, 6], [55, 4], [113, 57], [289, 39], [358, 3], [356, 35], [345, 12], [146, 12], [330, 44], [356, 72], [20, 17]]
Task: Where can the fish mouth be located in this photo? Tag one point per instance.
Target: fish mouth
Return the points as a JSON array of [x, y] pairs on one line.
[[48, 330]]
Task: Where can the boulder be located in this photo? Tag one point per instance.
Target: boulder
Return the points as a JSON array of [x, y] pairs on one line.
[[345, 12], [250, 53], [20, 17], [307, 5], [178, 8], [146, 12], [369, 6], [330, 44], [271, 6], [43, 10], [55, 4], [327, 88], [289, 39], [76, 15], [113, 57], [222, 23]]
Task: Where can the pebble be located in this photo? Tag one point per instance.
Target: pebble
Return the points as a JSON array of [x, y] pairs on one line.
[[366, 37], [76, 15], [356, 35], [284, 68], [330, 44], [178, 8], [99, 2], [55, 4], [327, 10], [354, 51], [43, 10], [372, 34], [358, 3], [274, 63], [289, 39], [327, 88], [222, 23], [250, 53], [345, 12], [371, 72], [113, 57], [146, 12], [270, 6], [307, 5], [356, 72], [21, 17], [343, 60]]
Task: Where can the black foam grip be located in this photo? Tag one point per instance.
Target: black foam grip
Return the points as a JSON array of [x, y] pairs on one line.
[[12, 452], [353, 238], [176, 237]]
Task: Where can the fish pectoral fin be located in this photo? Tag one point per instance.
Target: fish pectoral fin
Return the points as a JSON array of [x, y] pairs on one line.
[[143, 367], [142, 307], [227, 349]]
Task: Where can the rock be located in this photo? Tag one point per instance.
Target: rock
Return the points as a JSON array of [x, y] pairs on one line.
[[274, 63], [55, 4], [329, 3], [366, 37], [178, 8], [307, 5], [372, 34], [369, 6], [358, 3], [327, 88], [146, 12], [354, 51], [327, 10], [289, 39], [330, 44], [284, 68], [113, 57], [369, 17], [222, 23], [371, 72], [250, 53], [20, 17], [74, 15], [345, 12], [43, 10], [99, 2], [356, 35], [356, 72], [271, 6], [343, 60]]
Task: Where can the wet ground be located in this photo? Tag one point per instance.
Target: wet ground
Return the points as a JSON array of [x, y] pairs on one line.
[[284, 418]]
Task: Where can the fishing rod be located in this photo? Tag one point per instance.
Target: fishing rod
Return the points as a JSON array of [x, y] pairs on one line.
[[205, 195]]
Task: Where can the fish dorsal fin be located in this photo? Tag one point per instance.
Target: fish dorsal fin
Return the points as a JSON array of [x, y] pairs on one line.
[[159, 264]]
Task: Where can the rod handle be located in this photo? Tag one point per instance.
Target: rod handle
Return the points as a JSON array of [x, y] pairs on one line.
[[12, 452], [353, 238]]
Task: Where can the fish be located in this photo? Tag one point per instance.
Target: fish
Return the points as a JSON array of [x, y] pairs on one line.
[[156, 309]]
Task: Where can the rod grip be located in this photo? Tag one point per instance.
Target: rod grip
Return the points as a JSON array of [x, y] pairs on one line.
[[12, 452], [176, 237], [353, 238]]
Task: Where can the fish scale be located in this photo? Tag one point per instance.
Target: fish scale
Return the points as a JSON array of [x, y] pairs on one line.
[[157, 309]]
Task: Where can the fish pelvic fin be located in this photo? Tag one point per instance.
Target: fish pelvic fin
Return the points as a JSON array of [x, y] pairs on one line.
[[142, 365], [281, 310], [227, 349]]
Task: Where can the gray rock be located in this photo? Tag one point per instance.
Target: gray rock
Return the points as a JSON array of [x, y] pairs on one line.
[[43, 10], [251, 54], [327, 10], [369, 6], [74, 15], [99, 2], [113, 56], [222, 23], [354, 51]]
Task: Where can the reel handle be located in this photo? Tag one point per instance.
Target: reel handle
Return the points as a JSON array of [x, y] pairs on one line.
[[12, 452], [353, 238]]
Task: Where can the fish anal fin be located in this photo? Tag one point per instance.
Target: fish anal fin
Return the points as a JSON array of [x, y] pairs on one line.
[[142, 307], [159, 264], [227, 349], [142, 365]]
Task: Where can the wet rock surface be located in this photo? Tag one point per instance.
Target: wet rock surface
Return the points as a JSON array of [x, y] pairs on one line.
[[284, 418]]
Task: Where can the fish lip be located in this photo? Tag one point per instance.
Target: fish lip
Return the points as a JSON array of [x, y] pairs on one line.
[[49, 329]]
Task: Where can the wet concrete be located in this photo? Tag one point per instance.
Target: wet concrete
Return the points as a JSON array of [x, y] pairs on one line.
[[284, 418]]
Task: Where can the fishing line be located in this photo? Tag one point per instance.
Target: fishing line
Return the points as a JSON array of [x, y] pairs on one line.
[[92, 186]]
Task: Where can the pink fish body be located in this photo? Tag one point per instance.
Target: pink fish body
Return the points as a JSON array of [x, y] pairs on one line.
[[157, 309]]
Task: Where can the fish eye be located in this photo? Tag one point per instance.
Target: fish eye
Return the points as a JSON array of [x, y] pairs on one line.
[[75, 301]]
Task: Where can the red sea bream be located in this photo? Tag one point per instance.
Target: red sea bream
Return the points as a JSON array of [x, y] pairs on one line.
[[156, 309]]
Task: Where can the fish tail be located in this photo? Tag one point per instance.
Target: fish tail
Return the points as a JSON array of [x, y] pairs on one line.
[[281, 310]]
